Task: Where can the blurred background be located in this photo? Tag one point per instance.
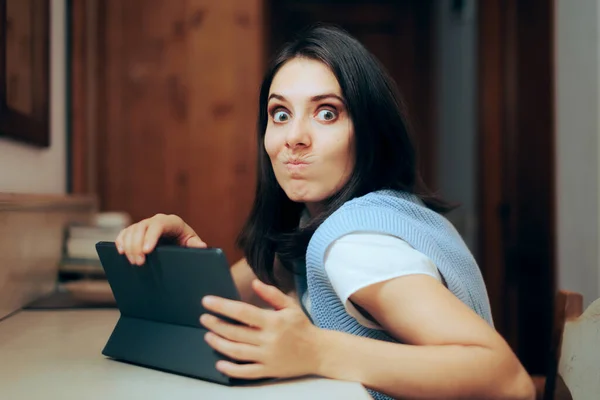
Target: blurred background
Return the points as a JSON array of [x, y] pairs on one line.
[[149, 106]]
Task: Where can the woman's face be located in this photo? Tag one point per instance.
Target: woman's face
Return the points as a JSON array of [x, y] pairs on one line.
[[309, 136]]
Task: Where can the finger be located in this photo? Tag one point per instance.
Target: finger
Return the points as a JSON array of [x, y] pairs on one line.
[[127, 239], [234, 350], [119, 241], [275, 297], [236, 333], [242, 371], [137, 242], [236, 310], [153, 233], [195, 241]]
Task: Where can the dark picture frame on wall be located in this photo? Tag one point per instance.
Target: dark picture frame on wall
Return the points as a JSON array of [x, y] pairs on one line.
[[24, 71]]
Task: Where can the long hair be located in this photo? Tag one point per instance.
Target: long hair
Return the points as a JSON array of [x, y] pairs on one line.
[[385, 156]]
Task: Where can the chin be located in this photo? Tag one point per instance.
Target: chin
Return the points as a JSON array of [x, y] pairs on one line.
[[304, 195]]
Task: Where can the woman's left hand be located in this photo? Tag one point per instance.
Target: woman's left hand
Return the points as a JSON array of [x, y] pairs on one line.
[[278, 343]]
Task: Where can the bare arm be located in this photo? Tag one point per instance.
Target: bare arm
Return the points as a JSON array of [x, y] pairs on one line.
[[243, 276], [450, 352]]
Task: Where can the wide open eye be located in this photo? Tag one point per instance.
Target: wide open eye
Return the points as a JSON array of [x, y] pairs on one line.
[[327, 115], [281, 116]]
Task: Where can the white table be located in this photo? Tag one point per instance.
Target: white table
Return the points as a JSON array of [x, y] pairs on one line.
[[57, 355]]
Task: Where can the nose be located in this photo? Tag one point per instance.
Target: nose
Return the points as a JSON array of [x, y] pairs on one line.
[[298, 134]]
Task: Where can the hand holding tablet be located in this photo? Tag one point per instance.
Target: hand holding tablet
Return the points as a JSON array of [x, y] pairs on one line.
[[160, 304]]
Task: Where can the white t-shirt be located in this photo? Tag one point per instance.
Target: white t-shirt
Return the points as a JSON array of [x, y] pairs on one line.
[[360, 259]]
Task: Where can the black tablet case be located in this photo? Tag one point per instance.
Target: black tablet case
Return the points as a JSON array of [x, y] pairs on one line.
[[160, 305]]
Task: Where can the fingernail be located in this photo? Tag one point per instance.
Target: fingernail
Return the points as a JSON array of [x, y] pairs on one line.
[[208, 300], [139, 260], [147, 247], [221, 366]]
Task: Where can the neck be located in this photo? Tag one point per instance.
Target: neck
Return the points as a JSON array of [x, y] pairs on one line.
[[314, 208]]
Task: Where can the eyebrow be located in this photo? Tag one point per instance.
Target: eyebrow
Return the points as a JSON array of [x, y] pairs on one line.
[[313, 99]]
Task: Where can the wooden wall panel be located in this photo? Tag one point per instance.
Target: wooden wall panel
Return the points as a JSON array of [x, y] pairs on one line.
[[78, 143], [224, 80], [180, 107]]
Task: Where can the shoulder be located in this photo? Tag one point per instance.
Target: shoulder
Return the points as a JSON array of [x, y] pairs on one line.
[[361, 259], [386, 211], [390, 212], [384, 198], [385, 204], [375, 252]]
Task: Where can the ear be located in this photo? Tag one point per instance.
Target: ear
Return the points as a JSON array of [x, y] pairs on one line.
[[273, 296]]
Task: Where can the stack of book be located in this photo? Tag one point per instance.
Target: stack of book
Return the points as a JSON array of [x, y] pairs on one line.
[[80, 257]]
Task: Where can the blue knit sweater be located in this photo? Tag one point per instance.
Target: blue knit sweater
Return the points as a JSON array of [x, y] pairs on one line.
[[402, 215]]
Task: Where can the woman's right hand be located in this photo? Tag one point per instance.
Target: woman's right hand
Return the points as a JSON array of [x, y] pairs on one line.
[[141, 238]]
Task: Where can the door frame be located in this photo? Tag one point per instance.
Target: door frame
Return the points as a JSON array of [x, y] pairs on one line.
[[516, 171]]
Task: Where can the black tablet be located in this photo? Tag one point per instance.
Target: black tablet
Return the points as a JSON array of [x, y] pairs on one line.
[[160, 304]]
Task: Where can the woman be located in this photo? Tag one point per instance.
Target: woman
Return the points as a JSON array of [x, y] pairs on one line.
[[341, 233]]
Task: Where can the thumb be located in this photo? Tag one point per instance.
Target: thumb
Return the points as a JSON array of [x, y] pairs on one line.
[[195, 241], [273, 296]]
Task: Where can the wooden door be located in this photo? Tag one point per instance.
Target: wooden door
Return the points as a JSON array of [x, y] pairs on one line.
[[176, 111]]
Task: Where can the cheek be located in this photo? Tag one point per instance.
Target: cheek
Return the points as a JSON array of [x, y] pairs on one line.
[[351, 152], [271, 145], [345, 150]]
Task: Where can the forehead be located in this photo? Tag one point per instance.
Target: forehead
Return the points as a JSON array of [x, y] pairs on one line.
[[301, 77]]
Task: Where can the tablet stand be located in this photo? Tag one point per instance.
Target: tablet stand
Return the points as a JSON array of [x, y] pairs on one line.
[[173, 348]]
